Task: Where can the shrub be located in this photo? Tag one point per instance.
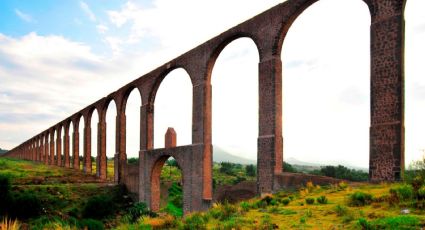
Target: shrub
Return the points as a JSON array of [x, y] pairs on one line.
[[24, 205], [421, 192], [245, 206], [360, 199], [139, 209], [285, 201], [90, 224], [4, 192], [364, 224], [98, 207], [309, 200], [340, 210], [251, 170], [322, 200], [403, 192], [194, 222], [266, 223]]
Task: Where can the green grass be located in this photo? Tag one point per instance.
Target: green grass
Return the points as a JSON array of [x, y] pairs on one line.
[[65, 193]]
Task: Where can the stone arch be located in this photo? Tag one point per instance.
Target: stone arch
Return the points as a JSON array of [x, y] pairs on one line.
[[314, 58], [156, 181], [158, 80], [183, 98], [221, 46]]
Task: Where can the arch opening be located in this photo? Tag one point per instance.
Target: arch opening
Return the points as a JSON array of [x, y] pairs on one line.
[[326, 86], [167, 186], [94, 121], [110, 118], [173, 108], [235, 116], [132, 113], [414, 82]]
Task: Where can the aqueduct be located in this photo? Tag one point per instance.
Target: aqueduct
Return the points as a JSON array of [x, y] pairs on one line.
[[268, 31]]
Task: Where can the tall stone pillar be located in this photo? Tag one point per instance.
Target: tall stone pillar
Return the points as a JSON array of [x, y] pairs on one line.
[[59, 146], [270, 141], [201, 133], [386, 161], [46, 149], [87, 148], [101, 149], [146, 126], [121, 155], [66, 146], [76, 148], [52, 147]]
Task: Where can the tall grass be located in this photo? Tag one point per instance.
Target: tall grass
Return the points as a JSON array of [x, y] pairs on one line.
[[9, 224]]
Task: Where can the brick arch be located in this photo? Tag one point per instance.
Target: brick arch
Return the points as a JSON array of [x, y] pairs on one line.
[[107, 100], [155, 179], [216, 51], [124, 95], [160, 78]]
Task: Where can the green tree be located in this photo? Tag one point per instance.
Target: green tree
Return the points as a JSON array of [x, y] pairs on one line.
[[251, 170]]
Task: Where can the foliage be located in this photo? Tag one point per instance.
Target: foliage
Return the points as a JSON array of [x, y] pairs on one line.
[[91, 224], [194, 222], [342, 172], [402, 192], [309, 200], [288, 167], [359, 198], [396, 222], [98, 207], [251, 170], [322, 200], [285, 201], [340, 210], [175, 200], [229, 168], [24, 205], [139, 209], [133, 161]]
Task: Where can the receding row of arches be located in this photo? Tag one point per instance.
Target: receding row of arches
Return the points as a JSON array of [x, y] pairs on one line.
[[237, 120]]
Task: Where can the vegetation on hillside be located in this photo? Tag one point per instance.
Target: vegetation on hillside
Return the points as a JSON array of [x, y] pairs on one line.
[[75, 202]]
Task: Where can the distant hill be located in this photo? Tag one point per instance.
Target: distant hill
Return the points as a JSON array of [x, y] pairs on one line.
[[2, 151], [221, 155]]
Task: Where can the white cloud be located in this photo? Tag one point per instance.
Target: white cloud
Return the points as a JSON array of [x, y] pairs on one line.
[[102, 28], [23, 16], [87, 11]]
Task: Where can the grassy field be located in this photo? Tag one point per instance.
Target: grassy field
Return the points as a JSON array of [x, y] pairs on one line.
[[72, 200]]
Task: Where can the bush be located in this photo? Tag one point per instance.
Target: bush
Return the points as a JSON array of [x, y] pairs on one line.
[[340, 210], [245, 206], [322, 200], [98, 207], [133, 161], [309, 200], [403, 192], [90, 224], [421, 192], [288, 167], [360, 199], [251, 170], [364, 224], [4, 193], [194, 222], [342, 172], [138, 210], [24, 205], [285, 201]]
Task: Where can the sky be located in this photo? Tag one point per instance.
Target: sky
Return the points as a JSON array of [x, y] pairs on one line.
[[58, 57]]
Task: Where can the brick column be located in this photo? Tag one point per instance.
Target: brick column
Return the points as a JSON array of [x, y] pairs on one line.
[[59, 147], [66, 146], [201, 132], [146, 126], [386, 161], [270, 142], [52, 147], [46, 149], [87, 148], [101, 149], [76, 148], [120, 146]]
